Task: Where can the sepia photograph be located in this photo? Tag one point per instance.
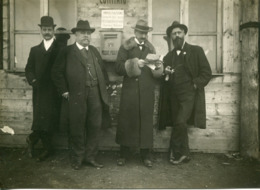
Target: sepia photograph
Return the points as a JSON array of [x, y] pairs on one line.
[[129, 94]]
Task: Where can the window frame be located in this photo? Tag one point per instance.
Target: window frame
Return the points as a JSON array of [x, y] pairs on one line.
[[184, 18], [44, 11]]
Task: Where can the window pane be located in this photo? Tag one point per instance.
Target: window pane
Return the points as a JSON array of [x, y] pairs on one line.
[[203, 15], [209, 44], [160, 44], [23, 44], [63, 12], [27, 14], [164, 13]]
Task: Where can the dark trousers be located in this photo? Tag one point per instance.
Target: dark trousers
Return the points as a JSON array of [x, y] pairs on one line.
[[85, 145], [145, 152], [182, 104], [44, 136]]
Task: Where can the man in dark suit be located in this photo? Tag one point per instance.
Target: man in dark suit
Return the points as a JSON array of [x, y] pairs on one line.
[[45, 97], [135, 125], [81, 79], [182, 98]]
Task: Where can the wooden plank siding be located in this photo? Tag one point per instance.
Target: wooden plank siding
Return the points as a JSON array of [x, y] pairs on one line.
[[221, 135], [223, 93]]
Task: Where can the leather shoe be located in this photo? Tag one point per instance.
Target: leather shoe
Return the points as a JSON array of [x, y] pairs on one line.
[[148, 163], [95, 164], [44, 155], [121, 162], [182, 159]]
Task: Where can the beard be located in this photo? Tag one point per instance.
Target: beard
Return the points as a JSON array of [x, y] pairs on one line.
[[178, 42]]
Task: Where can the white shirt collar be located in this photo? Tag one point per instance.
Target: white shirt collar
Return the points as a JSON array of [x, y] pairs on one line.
[[138, 42], [81, 47], [47, 43]]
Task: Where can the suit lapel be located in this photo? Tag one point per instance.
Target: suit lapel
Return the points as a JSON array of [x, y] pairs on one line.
[[78, 55], [187, 50]]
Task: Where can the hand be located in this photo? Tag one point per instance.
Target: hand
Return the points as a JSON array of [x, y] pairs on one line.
[[141, 63], [34, 82], [158, 64], [65, 95], [168, 70]]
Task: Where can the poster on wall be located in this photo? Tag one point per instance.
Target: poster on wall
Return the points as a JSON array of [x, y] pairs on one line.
[[112, 19]]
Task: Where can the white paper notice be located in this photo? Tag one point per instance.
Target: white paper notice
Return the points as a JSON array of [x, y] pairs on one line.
[[112, 19]]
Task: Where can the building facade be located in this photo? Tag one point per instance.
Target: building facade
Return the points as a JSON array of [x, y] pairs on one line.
[[213, 24]]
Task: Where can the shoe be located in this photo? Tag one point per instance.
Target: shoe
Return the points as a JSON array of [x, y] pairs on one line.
[[95, 164], [148, 163], [182, 159], [44, 155], [121, 162], [76, 165]]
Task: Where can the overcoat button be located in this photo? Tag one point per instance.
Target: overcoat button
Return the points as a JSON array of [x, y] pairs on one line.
[[136, 79]]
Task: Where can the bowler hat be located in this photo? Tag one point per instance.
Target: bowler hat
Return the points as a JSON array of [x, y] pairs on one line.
[[142, 25], [62, 32], [83, 25], [176, 24], [46, 21]]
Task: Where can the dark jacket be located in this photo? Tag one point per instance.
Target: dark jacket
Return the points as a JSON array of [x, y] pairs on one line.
[[45, 97], [197, 65], [135, 125], [69, 75]]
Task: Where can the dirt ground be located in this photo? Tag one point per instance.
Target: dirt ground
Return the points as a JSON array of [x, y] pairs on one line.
[[204, 171]]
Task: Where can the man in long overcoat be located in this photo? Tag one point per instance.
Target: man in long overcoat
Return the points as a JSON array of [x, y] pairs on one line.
[[45, 96], [182, 98], [135, 125], [81, 79]]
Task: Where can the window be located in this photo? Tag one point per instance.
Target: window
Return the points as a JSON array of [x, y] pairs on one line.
[[24, 30], [203, 18]]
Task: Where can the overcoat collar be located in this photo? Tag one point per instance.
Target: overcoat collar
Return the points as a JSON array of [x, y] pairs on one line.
[[78, 55], [131, 43]]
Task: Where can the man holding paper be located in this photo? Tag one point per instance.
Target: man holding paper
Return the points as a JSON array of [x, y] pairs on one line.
[[135, 125]]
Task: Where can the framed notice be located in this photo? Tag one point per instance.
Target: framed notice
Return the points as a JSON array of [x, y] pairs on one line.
[[112, 19]]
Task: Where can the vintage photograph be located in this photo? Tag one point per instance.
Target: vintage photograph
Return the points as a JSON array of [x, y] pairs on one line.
[[129, 94]]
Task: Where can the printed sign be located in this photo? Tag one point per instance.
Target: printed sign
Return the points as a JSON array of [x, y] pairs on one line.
[[112, 19]]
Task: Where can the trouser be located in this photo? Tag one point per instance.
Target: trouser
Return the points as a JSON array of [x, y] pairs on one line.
[[44, 136], [84, 145], [145, 152], [182, 105]]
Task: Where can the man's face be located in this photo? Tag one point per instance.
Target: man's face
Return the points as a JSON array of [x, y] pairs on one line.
[[83, 37], [177, 36], [47, 32], [140, 36]]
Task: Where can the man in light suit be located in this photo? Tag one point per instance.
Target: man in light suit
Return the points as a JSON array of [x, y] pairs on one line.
[[81, 79], [45, 97]]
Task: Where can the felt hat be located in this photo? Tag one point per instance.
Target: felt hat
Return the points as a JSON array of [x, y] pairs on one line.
[[83, 25], [46, 21], [176, 24], [142, 26]]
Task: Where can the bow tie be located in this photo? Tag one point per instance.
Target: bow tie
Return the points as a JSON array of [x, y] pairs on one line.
[[178, 52], [141, 46]]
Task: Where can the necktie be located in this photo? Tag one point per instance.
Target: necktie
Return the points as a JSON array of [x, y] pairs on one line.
[[85, 52]]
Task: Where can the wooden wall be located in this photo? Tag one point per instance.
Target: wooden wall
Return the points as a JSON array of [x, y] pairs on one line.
[[221, 135], [222, 93]]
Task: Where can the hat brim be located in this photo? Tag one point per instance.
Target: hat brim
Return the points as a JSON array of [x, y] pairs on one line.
[[73, 30], [149, 30], [182, 26], [47, 25]]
